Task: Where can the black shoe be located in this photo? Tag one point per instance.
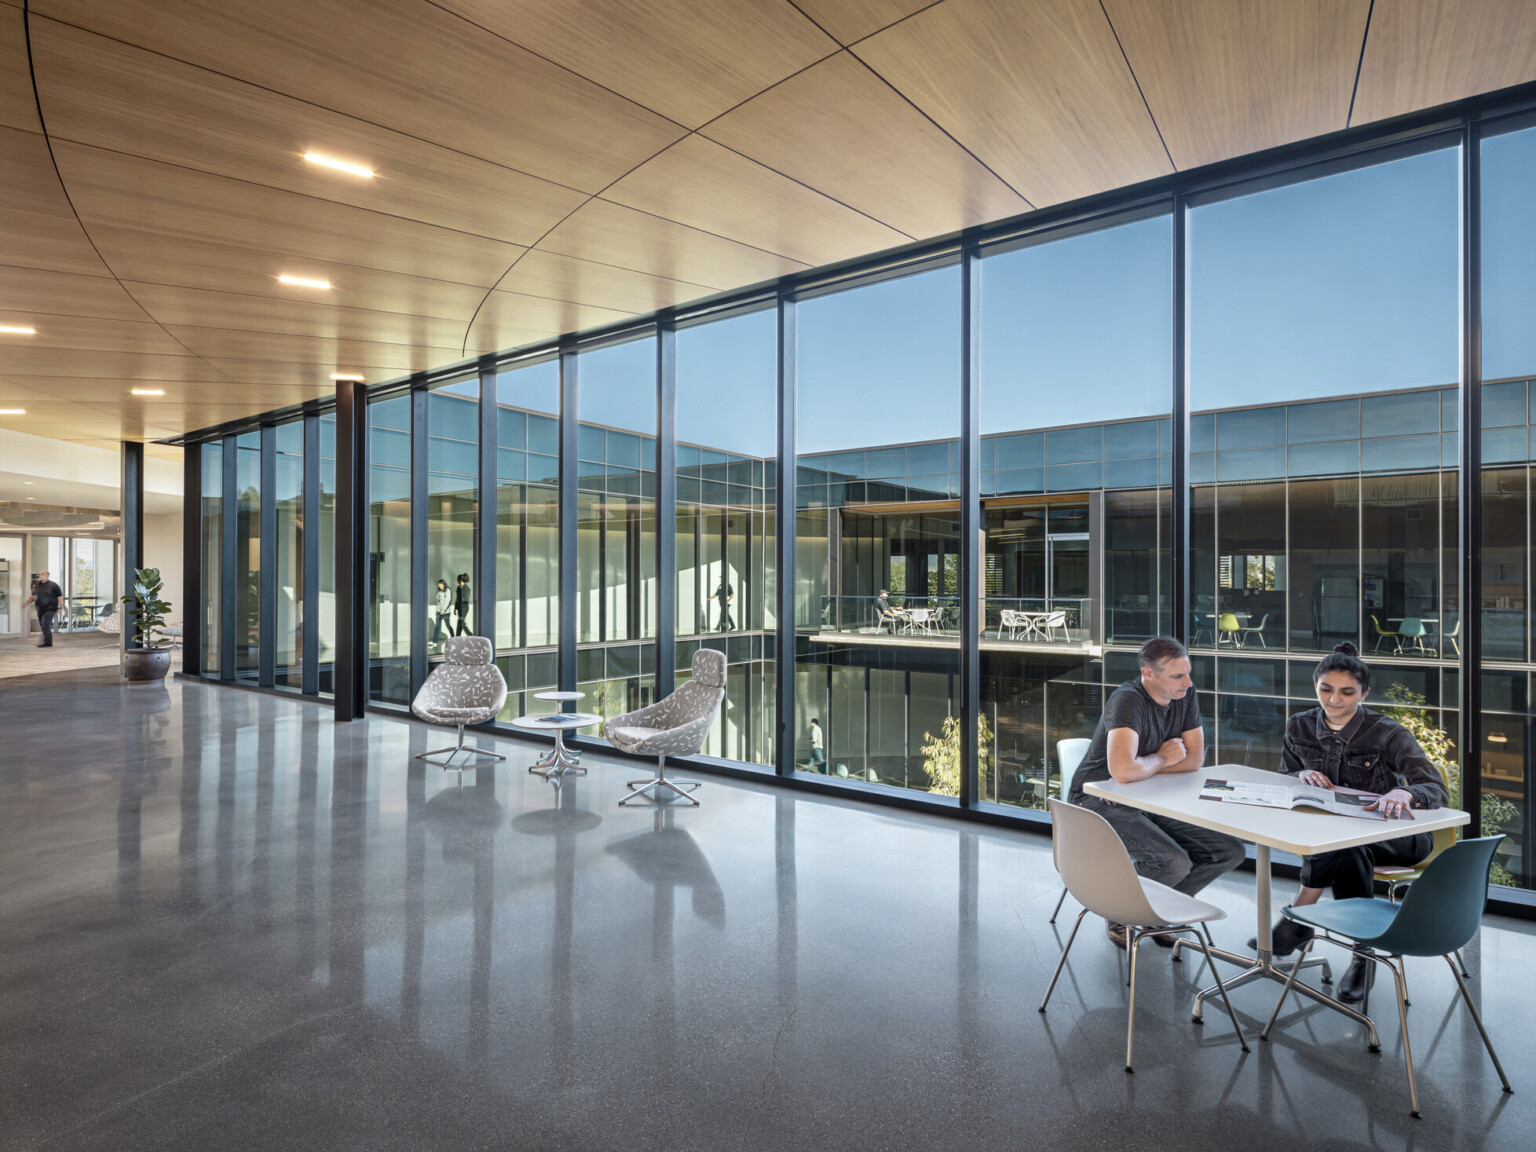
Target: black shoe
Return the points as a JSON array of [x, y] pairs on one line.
[[1284, 938], [1358, 980], [1164, 939], [1117, 934]]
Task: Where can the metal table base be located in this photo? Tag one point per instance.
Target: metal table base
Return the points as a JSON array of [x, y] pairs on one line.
[[558, 761]]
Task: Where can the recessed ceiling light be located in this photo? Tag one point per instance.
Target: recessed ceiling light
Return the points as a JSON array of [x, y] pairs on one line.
[[17, 330], [13, 411], [340, 165], [147, 391], [346, 376], [1497, 738], [29, 483], [303, 281], [31, 497]]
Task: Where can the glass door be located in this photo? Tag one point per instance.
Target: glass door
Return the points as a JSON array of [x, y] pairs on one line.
[[12, 590]]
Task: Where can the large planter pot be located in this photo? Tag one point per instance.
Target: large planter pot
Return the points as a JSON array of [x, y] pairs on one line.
[[146, 663]]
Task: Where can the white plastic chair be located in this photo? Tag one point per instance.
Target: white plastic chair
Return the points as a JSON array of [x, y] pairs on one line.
[[919, 618], [1053, 621], [1069, 754], [1099, 874]]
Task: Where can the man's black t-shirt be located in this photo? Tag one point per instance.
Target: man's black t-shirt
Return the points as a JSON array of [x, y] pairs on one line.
[[47, 595], [1155, 724]]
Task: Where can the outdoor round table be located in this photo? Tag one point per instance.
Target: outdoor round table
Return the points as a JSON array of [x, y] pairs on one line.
[[560, 759]]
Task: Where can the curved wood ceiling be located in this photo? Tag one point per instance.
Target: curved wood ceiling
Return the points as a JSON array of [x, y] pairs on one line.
[[544, 167]]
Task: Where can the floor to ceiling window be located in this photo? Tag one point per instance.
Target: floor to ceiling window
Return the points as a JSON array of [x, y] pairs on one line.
[[390, 610], [1503, 738], [1075, 510], [727, 445], [288, 555], [324, 613], [211, 511], [616, 583], [527, 620], [247, 639], [877, 536], [1322, 339], [452, 606]]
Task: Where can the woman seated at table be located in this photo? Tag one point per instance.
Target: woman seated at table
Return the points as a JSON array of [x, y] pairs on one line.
[[1343, 744]]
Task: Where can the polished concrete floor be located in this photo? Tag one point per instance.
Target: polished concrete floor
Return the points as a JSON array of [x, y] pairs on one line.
[[229, 923], [20, 655]]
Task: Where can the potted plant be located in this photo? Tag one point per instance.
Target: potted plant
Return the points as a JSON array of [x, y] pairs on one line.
[[142, 659]]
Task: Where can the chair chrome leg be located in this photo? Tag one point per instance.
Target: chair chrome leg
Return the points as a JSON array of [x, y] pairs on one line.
[[681, 788], [1225, 999], [1130, 1021], [1462, 963], [1059, 903], [1402, 1015], [1056, 975], [1290, 982], [448, 764], [1478, 1020]]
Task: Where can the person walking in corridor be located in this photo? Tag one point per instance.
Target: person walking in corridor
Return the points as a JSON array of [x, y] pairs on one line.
[[46, 594]]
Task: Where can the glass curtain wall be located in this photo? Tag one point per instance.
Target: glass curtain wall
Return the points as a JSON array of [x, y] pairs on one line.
[[727, 446], [453, 466], [1503, 737], [527, 618], [1323, 341], [247, 639], [212, 559], [1075, 512], [390, 609], [288, 555], [616, 583], [877, 533], [324, 612]]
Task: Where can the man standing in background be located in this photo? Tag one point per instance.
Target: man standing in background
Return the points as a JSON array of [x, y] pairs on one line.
[[47, 595]]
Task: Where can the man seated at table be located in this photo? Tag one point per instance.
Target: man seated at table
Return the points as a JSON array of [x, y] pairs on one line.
[[1152, 725]]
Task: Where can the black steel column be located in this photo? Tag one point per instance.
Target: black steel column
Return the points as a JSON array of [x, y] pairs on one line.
[[1179, 480], [1470, 474], [419, 513], [568, 474], [309, 613], [972, 611], [666, 506], [192, 624], [266, 622], [784, 546], [234, 582], [132, 480], [350, 534], [485, 521]]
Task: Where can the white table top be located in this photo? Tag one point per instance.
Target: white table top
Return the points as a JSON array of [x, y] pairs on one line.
[[1304, 832], [559, 695], [542, 724]]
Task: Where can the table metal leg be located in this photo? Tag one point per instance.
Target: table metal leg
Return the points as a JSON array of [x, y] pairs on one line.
[[560, 761]]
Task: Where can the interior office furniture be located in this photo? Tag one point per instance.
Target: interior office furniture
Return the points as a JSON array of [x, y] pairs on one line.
[[1248, 630], [1399, 879], [568, 759], [676, 726], [466, 688], [1300, 832], [1441, 913], [1069, 754], [561, 759], [1098, 872], [1385, 634], [1228, 630]]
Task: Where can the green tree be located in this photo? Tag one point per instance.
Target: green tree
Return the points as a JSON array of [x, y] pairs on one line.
[[941, 755], [1408, 708]]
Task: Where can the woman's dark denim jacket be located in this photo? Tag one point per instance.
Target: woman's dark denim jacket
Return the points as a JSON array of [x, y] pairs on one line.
[[1372, 753]]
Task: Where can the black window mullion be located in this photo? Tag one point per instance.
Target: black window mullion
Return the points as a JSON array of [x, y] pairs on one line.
[[971, 615], [1180, 592], [1470, 474], [485, 523], [191, 560]]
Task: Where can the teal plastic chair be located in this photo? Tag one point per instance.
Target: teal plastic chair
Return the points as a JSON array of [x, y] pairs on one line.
[[1441, 913]]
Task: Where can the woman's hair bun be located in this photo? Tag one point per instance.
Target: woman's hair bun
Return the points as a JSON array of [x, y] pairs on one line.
[[1347, 648]]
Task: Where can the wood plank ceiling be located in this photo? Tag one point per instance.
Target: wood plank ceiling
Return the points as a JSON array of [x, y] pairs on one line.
[[541, 168]]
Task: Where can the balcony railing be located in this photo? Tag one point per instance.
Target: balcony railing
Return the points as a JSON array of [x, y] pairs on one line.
[[1063, 621]]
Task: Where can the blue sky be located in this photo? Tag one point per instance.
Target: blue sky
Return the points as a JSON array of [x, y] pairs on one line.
[[1340, 285]]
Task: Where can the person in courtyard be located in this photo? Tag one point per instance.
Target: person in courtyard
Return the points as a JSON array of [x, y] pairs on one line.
[[1151, 725], [818, 747], [1342, 744]]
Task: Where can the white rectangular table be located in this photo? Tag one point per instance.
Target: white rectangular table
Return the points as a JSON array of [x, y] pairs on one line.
[[1304, 832]]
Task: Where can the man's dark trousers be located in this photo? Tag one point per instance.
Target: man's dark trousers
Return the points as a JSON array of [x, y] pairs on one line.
[[46, 620]]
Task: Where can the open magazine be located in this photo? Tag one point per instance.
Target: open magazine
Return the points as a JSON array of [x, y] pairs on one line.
[[1340, 801]]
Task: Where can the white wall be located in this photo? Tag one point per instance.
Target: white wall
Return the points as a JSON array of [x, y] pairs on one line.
[[162, 550]]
